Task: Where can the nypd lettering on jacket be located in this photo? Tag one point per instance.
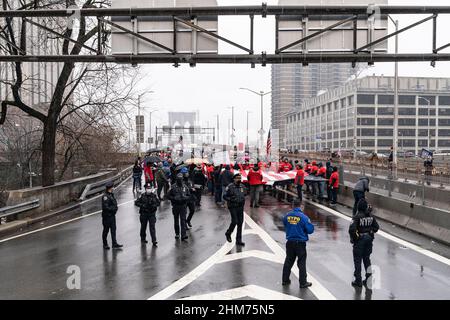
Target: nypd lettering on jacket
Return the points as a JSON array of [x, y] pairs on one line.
[[365, 222], [297, 226]]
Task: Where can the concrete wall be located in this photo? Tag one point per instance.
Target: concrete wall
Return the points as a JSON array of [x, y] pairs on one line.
[[434, 197], [55, 196], [426, 220]]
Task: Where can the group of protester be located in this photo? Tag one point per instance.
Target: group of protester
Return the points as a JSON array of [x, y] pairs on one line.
[[183, 186]]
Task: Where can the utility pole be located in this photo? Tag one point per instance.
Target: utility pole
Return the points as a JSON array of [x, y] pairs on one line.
[[218, 141], [232, 126], [395, 144], [246, 141]]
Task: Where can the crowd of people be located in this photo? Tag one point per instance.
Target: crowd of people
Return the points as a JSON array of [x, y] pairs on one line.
[[185, 183]]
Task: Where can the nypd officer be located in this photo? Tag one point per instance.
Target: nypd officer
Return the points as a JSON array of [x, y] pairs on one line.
[[362, 232], [109, 210], [297, 226], [235, 197], [148, 204], [192, 199], [179, 195]]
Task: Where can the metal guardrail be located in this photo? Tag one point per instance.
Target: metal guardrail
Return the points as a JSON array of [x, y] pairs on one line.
[[98, 187], [18, 208]]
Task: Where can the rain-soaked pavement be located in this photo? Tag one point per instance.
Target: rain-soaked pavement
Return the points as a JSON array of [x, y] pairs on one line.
[[34, 266]]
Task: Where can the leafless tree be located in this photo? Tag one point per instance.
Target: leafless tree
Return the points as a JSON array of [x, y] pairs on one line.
[[96, 91]]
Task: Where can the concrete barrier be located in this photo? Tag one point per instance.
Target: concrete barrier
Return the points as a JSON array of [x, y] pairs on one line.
[[432, 222], [56, 196], [434, 197]]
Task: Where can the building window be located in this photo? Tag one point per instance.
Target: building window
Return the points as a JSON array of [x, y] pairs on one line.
[[407, 111], [385, 122], [366, 99], [444, 133], [406, 122], [444, 111], [367, 132], [444, 143], [407, 132], [389, 111], [444, 122], [350, 133], [366, 121], [385, 99], [351, 100], [407, 100], [425, 123], [336, 105], [343, 103], [422, 132], [407, 143], [367, 143], [443, 100], [385, 142], [365, 111], [423, 102], [385, 132]]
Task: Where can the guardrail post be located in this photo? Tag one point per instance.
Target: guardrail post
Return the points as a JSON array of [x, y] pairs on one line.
[[423, 191]]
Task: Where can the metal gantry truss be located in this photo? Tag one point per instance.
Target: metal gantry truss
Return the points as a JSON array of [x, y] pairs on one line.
[[185, 15]]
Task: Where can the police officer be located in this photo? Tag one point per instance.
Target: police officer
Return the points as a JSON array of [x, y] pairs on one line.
[[362, 232], [148, 204], [179, 195], [235, 197], [192, 199], [109, 210], [297, 226]]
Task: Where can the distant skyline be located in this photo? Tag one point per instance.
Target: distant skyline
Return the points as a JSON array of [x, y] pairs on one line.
[[210, 89]]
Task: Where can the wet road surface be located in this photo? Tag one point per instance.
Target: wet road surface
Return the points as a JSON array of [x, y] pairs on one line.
[[35, 266]]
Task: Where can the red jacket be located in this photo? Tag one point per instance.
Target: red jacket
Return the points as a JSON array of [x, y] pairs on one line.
[[314, 169], [322, 172], [300, 177], [334, 180], [209, 172], [148, 173], [254, 178], [284, 167], [308, 168]]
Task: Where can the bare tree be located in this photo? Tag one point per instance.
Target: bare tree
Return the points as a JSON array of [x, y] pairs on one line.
[[72, 79]]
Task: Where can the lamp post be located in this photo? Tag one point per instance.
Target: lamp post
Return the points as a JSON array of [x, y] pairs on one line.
[[150, 135], [429, 106], [261, 94], [139, 116], [395, 144], [246, 141], [232, 135]]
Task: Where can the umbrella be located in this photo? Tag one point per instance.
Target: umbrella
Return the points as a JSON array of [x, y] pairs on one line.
[[181, 166], [154, 150], [152, 159], [196, 161]]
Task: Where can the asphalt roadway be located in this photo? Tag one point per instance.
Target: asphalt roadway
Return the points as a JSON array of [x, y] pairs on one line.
[[40, 263]]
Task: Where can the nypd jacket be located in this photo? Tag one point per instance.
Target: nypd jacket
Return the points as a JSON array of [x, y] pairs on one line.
[[235, 195], [147, 203], [109, 205], [179, 196], [297, 226], [362, 223]]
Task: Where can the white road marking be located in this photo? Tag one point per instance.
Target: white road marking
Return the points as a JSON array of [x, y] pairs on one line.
[[251, 254], [221, 256], [251, 291], [388, 236], [317, 289], [194, 274], [68, 221]]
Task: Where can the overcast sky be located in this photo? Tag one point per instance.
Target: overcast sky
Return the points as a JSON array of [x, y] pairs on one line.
[[210, 89]]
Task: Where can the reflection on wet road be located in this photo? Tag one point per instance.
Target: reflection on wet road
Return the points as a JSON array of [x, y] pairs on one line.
[[207, 267]]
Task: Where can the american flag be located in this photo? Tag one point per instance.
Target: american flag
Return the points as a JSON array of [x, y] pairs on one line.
[[269, 144]]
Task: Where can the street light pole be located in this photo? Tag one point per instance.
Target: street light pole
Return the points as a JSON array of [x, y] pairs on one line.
[[429, 106], [246, 143], [232, 126], [150, 125], [395, 144], [217, 118], [261, 94]]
